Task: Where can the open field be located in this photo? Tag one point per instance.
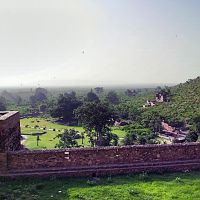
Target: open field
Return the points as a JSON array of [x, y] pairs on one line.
[[180, 186], [48, 140]]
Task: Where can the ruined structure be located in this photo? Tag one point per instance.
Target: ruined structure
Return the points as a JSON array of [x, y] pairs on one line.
[[10, 135], [161, 97], [172, 134], [89, 161]]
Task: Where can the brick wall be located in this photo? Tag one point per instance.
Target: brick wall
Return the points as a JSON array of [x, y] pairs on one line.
[[90, 157], [85, 161], [3, 163], [10, 135]]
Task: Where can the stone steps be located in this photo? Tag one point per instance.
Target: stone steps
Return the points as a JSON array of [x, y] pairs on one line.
[[109, 169]]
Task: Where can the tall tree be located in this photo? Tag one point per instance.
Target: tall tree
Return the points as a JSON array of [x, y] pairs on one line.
[[196, 122], [91, 96], [67, 139], [130, 139], [112, 97], [39, 96], [33, 101], [2, 104], [96, 118], [99, 90], [134, 113], [41, 90], [130, 92], [71, 94], [152, 120], [65, 107], [191, 136]]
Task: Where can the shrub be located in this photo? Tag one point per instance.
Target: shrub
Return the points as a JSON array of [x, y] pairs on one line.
[[134, 192], [93, 181], [33, 190], [144, 176], [4, 196], [39, 186], [109, 179], [78, 136], [178, 180], [80, 197]]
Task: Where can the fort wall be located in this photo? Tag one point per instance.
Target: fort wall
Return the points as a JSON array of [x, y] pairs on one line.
[[16, 162], [104, 161], [10, 135]]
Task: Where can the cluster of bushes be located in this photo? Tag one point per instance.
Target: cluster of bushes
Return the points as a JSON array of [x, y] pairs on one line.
[[136, 134]]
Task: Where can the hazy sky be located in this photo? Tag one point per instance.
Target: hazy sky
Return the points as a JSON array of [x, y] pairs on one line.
[[98, 42]]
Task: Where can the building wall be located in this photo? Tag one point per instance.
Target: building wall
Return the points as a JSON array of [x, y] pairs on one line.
[[10, 135], [110, 157], [3, 163]]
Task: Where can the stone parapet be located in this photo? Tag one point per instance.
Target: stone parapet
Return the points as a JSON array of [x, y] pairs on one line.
[[3, 163], [10, 136], [105, 160]]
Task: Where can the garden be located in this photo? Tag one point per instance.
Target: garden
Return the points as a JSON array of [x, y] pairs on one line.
[[47, 130]]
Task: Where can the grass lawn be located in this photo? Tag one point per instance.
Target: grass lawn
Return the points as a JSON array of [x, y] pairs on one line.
[[181, 186], [47, 140]]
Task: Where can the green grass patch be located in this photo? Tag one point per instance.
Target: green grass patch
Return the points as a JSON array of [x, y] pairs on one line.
[[181, 186], [48, 140]]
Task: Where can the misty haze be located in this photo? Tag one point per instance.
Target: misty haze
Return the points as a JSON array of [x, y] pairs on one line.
[[104, 90]]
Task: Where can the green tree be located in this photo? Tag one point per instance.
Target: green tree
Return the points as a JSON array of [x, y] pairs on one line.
[[137, 135], [67, 139], [192, 136], [71, 94], [96, 118], [43, 108], [134, 113], [64, 108], [33, 101], [152, 120], [141, 140], [197, 124], [2, 104], [112, 97], [91, 96], [122, 110], [129, 139], [41, 94]]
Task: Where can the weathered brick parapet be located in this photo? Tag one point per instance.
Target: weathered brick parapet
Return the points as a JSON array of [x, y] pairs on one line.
[[10, 135], [104, 160], [3, 163], [88, 161]]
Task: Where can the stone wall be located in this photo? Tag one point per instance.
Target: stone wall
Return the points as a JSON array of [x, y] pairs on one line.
[[87, 161], [3, 163], [112, 160], [10, 135]]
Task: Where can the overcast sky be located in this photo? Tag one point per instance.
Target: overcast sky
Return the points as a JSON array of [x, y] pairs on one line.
[[98, 42]]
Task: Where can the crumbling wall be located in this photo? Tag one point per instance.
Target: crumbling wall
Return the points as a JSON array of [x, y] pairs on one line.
[[3, 163], [10, 136], [102, 157], [86, 161]]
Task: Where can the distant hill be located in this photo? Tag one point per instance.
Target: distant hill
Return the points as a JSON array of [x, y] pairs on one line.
[[184, 104]]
